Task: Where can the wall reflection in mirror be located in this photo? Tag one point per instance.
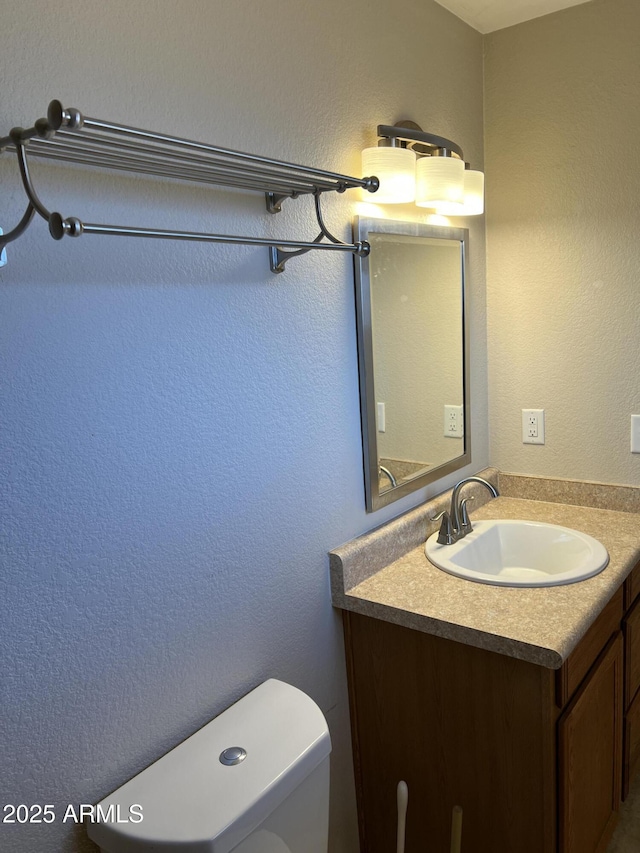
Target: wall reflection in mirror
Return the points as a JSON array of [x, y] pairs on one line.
[[412, 349]]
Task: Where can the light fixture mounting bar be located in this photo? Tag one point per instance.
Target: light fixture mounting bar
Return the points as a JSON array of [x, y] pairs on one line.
[[416, 138]]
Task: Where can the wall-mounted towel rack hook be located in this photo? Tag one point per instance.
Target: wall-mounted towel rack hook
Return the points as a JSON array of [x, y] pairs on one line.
[[68, 135]]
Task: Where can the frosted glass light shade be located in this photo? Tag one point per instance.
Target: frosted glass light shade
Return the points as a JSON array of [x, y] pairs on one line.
[[473, 202], [395, 168], [439, 181], [473, 192]]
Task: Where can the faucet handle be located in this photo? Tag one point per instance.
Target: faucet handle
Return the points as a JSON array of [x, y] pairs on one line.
[[445, 535], [465, 521]]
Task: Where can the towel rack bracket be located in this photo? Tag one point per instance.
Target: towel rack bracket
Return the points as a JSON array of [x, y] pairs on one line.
[[274, 201], [278, 257]]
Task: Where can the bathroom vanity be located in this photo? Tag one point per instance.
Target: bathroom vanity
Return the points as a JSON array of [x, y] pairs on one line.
[[520, 705]]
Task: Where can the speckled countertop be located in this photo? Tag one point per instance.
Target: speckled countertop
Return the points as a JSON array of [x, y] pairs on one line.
[[541, 625]]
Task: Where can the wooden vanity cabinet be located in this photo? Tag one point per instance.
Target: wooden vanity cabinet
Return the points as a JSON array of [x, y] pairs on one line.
[[534, 756], [590, 757]]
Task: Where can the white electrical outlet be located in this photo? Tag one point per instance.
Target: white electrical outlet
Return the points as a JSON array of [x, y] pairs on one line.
[[453, 421], [382, 418], [635, 433], [533, 426]]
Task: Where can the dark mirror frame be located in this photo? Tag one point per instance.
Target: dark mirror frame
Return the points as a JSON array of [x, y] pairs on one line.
[[362, 228]]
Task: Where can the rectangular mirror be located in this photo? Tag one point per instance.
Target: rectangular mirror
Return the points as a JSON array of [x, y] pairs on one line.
[[412, 355]]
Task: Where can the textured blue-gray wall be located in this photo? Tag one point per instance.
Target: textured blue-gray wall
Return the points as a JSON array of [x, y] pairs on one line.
[[180, 429]]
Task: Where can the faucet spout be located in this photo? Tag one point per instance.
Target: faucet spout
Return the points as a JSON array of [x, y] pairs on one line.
[[456, 512], [387, 473]]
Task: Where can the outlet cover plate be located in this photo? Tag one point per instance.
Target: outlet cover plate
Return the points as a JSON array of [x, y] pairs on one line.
[[635, 433], [533, 426], [453, 421]]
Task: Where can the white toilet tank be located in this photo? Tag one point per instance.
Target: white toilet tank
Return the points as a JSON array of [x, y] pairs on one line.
[[273, 800]]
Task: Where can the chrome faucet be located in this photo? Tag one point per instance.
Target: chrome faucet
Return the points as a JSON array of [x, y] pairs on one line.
[[387, 473], [456, 523]]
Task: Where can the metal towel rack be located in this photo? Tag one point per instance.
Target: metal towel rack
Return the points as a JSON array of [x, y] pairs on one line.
[[68, 135]]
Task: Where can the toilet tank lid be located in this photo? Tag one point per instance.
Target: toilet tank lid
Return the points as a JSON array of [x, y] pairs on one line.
[[189, 799]]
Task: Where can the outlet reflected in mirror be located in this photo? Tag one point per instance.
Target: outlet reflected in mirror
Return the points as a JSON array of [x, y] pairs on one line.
[[412, 353]]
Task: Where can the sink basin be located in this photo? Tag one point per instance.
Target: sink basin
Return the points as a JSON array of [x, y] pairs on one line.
[[520, 553]]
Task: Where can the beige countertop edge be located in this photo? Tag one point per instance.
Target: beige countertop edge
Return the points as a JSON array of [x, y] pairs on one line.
[[541, 625], [452, 631]]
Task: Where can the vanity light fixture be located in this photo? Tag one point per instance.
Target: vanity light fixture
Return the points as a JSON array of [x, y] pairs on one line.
[[413, 165], [473, 196], [439, 180], [395, 168]]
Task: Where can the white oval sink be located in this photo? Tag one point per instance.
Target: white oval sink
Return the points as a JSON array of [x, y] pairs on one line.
[[520, 553]]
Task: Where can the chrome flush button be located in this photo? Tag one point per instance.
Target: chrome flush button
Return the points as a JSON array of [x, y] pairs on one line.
[[232, 755]]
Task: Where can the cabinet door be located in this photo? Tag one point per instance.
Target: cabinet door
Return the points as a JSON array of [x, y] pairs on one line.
[[631, 755], [590, 757], [631, 630], [462, 726]]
